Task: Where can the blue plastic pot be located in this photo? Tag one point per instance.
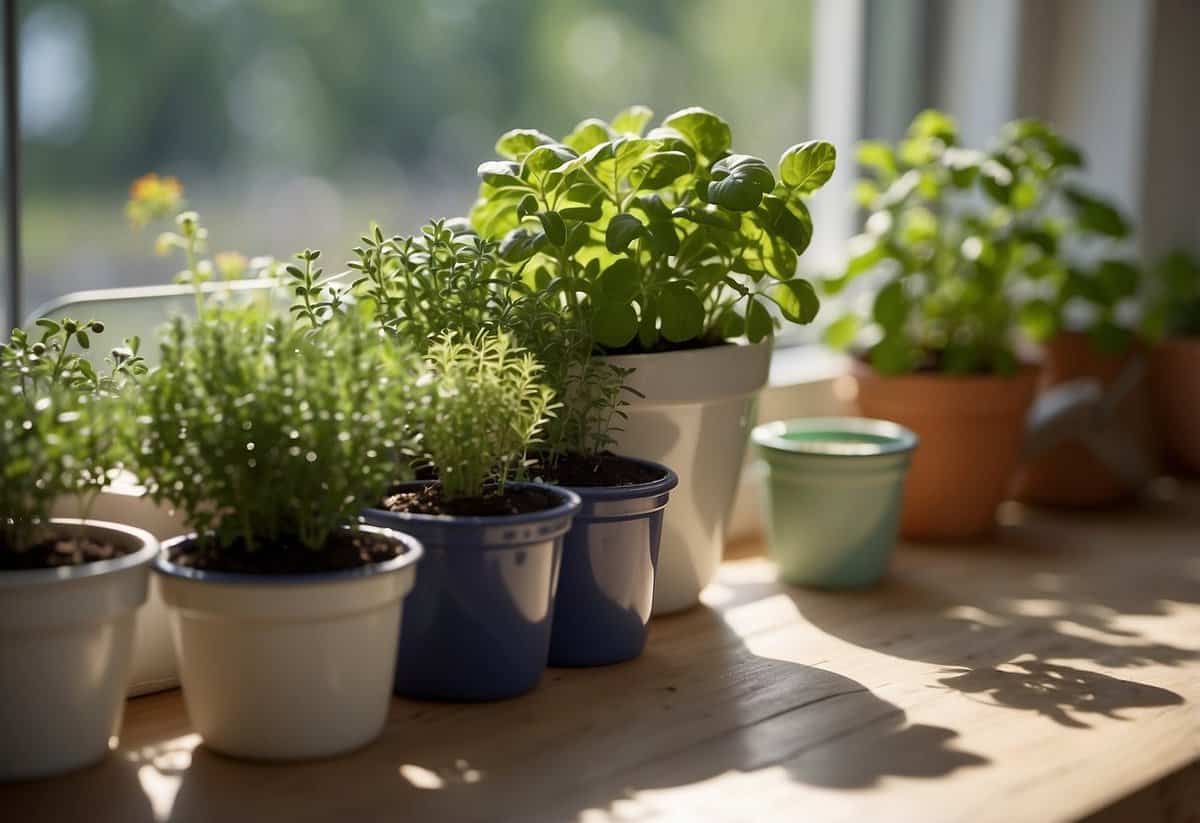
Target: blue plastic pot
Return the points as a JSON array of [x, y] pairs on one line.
[[477, 624], [832, 497], [606, 587]]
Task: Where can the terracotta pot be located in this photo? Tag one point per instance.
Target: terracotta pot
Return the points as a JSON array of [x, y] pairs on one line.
[[970, 428], [1175, 389], [1071, 474]]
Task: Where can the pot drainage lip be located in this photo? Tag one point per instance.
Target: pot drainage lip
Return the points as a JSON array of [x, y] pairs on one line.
[[836, 437]]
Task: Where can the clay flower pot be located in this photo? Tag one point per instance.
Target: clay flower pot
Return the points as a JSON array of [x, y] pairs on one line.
[[971, 429], [1071, 473], [1175, 389]]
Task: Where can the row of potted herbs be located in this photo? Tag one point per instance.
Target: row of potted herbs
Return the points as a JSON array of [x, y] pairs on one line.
[[492, 367]]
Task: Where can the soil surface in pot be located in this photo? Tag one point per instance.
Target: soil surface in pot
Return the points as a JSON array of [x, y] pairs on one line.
[[593, 470], [429, 500], [343, 550], [59, 551], [664, 345]]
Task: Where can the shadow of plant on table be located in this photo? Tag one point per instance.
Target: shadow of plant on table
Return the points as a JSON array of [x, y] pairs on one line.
[[1058, 692], [1025, 621]]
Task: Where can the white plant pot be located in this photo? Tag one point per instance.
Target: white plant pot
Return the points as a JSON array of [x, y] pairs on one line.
[[153, 668], [695, 418], [288, 667], [66, 641]]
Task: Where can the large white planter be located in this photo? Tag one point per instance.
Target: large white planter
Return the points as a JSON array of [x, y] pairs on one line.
[[288, 667], [153, 668], [66, 640], [695, 417]]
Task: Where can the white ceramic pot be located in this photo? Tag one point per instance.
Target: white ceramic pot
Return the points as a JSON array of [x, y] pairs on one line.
[[153, 667], [695, 417], [66, 640], [287, 667]]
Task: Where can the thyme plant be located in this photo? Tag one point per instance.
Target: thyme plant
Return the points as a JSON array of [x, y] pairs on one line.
[[965, 247], [60, 424], [267, 435], [448, 280], [481, 410], [657, 239]]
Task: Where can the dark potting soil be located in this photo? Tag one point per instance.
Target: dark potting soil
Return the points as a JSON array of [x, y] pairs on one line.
[[664, 345], [60, 551], [429, 500], [593, 470], [343, 550]]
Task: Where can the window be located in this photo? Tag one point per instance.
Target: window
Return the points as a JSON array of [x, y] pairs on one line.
[[295, 123]]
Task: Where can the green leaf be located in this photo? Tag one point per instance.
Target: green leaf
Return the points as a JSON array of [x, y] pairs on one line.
[[806, 167], [739, 182], [759, 325], [935, 124], [632, 120], [661, 238], [588, 134], [1094, 214], [789, 220], [840, 333], [1119, 278], [527, 206], [708, 215], [1110, 338], [556, 230], [546, 158], [622, 230], [893, 355], [614, 324], [520, 244], [49, 325], [891, 307], [681, 312], [517, 143], [707, 133], [797, 300], [1039, 320], [877, 155], [81, 337], [662, 168], [731, 325], [501, 173], [621, 281]]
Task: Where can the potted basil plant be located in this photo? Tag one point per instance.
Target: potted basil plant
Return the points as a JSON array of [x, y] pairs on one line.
[[479, 620], [70, 588], [1174, 325], [679, 255], [448, 279], [270, 437], [952, 234]]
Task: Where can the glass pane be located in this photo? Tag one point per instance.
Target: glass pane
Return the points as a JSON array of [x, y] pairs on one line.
[[295, 123]]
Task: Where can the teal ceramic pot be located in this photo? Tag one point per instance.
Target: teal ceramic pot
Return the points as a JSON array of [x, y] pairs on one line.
[[833, 488]]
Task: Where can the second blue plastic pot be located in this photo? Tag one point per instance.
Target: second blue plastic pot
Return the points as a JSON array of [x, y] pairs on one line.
[[606, 587], [477, 624]]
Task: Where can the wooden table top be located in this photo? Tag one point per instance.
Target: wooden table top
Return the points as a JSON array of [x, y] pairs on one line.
[[1041, 676]]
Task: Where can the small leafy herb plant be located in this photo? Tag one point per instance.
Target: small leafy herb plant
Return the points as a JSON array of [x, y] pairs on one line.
[[658, 239], [60, 427], [269, 437], [964, 248]]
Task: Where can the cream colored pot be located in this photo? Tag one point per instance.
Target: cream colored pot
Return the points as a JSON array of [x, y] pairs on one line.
[[287, 667], [695, 417], [66, 642]]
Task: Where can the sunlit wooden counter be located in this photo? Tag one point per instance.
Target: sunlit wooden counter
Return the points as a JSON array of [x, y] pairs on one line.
[[1045, 675]]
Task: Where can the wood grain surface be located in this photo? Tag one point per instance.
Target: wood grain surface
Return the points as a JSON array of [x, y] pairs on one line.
[[1046, 674]]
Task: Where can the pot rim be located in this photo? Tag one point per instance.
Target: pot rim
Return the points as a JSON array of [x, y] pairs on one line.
[[664, 484], [415, 551], [62, 574], [568, 507], [897, 439]]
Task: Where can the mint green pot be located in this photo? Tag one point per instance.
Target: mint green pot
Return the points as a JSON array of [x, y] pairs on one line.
[[832, 494]]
